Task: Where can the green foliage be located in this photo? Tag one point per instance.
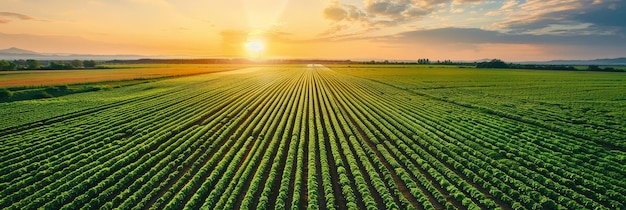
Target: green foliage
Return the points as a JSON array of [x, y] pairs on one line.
[[7, 65], [89, 64], [96, 88], [5, 94], [48, 92], [594, 68], [495, 63], [33, 64], [499, 64], [321, 138], [41, 94], [76, 64], [58, 65], [609, 69]]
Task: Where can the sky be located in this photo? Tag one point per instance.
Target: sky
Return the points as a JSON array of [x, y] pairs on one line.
[[511, 30]]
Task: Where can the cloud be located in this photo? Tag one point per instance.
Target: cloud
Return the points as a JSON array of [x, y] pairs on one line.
[[395, 12], [335, 12], [5, 17], [509, 4], [378, 14], [334, 29], [467, 1], [479, 43], [612, 14], [474, 36], [508, 7], [538, 16], [474, 43], [557, 17], [393, 9]]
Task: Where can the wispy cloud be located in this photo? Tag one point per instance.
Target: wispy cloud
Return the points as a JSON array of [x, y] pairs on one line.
[[467, 1], [508, 7], [6, 17], [480, 36]]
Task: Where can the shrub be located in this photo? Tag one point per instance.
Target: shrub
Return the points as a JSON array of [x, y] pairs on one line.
[[4, 93], [63, 87], [42, 94]]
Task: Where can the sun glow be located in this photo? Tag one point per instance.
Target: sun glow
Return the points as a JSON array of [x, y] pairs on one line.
[[255, 47]]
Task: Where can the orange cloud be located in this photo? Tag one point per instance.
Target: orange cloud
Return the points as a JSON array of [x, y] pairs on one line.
[[5, 17]]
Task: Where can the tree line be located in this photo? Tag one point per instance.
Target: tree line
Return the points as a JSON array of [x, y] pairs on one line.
[[31, 64], [499, 64]]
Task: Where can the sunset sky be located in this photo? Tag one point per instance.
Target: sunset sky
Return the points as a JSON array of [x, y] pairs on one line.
[[512, 30]]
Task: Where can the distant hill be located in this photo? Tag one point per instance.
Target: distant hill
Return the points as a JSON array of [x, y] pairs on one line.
[[18, 51], [14, 53], [603, 61]]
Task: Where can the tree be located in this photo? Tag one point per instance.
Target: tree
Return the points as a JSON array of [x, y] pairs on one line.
[[76, 64], [89, 64], [594, 68], [495, 63], [20, 64], [8, 65], [12, 66], [4, 65], [57, 65], [33, 64]]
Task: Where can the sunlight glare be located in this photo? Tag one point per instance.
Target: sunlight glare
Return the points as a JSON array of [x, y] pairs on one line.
[[255, 47]]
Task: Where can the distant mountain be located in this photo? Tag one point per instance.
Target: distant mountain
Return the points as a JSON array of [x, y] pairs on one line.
[[14, 53], [18, 51], [603, 61]]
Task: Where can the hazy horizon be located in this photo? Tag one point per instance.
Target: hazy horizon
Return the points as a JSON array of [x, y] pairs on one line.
[[512, 30]]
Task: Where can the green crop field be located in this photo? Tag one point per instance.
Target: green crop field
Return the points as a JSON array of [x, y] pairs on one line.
[[324, 137]]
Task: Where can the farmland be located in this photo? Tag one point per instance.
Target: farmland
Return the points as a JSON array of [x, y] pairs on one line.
[[324, 137], [112, 73]]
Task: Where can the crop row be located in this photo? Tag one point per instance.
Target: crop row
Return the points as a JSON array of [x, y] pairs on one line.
[[292, 137]]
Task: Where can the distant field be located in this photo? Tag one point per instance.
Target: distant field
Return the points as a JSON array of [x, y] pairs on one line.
[[577, 101], [117, 72], [324, 137]]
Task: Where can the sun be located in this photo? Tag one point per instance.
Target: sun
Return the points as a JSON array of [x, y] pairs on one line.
[[255, 47]]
